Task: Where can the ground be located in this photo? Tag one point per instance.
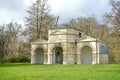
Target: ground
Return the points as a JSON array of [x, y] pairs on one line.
[[27, 71]]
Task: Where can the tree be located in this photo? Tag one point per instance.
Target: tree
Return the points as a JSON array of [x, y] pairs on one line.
[[38, 20], [4, 40], [88, 25], [113, 20], [104, 32], [114, 17], [15, 32], [116, 13]]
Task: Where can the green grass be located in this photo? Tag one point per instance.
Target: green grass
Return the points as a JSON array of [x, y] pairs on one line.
[[59, 72]]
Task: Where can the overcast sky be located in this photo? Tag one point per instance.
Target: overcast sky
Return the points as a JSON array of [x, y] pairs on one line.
[[67, 9]]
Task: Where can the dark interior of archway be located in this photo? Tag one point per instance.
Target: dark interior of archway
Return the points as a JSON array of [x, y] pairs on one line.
[[58, 55]]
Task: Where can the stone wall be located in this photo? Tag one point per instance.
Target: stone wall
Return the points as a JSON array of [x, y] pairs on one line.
[[104, 58]]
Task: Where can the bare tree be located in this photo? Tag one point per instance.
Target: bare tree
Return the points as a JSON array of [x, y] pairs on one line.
[[114, 16], [87, 25], [104, 32], [14, 30], [113, 19], [11, 37], [38, 20], [4, 40]]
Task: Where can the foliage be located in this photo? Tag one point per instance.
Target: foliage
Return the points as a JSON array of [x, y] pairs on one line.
[[4, 40], [15, 32], [15, 59], [59, 72], [113, 20], [11, 41], [91, 27]]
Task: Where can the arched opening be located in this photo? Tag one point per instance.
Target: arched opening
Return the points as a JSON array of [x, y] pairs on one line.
[[39, 56], [86, 55], [57, 55]]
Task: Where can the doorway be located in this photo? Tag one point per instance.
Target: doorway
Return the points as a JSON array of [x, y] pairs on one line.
[[57, 55], [86, 55], [39, 56]]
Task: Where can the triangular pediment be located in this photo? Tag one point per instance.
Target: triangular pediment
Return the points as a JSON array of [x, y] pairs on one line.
[[87, 38]]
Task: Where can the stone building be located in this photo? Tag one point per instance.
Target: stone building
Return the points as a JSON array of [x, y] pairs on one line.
[[68, 46]]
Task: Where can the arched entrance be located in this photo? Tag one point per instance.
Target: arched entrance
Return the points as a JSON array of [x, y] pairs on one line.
[[86, 55], [39, 56], [57, 55]]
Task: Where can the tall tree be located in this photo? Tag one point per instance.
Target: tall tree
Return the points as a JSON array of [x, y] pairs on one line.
[[114, 16], [39, 19], [113, 19]]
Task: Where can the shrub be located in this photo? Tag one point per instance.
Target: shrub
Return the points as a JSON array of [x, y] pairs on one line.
[[24, 59], [15, 59]]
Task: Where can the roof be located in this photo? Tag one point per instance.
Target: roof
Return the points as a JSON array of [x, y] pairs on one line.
[[88, 39], [39, 41], [65, 28]]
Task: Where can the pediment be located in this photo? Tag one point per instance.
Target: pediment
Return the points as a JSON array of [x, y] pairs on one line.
[[87, 38]]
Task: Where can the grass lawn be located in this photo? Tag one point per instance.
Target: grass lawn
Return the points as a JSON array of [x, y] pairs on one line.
[[22, 71]]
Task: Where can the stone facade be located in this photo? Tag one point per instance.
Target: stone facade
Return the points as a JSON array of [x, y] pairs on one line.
[[69, 46]]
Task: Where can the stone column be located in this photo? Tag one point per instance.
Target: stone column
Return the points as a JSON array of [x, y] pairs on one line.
[[33, 58], [78, 58], [64, 58], [78, 53], [49, 58], [45, 58], [33, 54], [98, 58], [94, 58]]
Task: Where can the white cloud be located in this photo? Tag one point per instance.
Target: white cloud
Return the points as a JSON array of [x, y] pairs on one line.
[[59, 6], [12, 10], [66, 9]]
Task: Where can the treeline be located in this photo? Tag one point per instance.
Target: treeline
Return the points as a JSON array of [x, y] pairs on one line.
[[15, 39], [12, 42]]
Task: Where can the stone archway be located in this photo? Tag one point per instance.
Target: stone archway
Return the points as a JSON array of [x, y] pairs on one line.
[[86, 55], [57, 55], [39, 57]]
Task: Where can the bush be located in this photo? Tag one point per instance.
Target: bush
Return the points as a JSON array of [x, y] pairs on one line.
[[24, 59], [15, 59]]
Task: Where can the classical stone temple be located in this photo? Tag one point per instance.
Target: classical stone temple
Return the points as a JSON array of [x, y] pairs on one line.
[[68, 46]]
